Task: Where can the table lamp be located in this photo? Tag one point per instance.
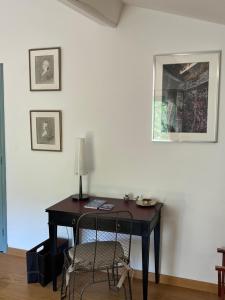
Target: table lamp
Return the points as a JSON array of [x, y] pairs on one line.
[[80, 167]]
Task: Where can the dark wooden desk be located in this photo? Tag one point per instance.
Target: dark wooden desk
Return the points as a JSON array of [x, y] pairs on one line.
[[145, 220]]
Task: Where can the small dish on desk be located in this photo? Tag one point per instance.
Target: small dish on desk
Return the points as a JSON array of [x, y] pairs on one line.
[[146, 202]]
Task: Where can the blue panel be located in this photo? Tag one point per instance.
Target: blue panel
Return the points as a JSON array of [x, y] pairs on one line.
[[3, 232]]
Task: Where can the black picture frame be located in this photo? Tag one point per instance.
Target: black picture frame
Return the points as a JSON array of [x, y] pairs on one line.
[[46, 130], [45, 69]]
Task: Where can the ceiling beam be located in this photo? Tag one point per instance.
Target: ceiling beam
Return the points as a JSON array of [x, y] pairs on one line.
[[106, 12]]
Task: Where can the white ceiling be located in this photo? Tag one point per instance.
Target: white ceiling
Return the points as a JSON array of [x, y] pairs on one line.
[[209, 10]]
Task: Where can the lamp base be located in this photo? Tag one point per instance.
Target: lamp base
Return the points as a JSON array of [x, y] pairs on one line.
[[83, 198]]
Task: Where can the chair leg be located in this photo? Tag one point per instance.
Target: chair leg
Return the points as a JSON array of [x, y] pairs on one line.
[[113, 275], [129, 285], [63, 286], [125, 291], [108, 278], [117, 274], [84, 288], [219, 283], [73, 291], [222, 287]]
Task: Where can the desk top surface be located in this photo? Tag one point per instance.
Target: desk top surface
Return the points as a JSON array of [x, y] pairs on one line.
[[139, 213]]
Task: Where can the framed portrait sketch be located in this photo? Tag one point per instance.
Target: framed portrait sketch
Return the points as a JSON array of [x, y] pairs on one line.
[[45, 69], [46, 130], [185, 98]]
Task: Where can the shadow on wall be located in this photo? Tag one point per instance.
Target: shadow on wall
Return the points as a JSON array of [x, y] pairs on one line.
[[171, 225]]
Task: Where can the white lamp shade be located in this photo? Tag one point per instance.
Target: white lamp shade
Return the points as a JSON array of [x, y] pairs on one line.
[[80, 166]]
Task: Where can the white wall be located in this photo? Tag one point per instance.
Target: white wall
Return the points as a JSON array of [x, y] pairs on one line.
[[106, 94]]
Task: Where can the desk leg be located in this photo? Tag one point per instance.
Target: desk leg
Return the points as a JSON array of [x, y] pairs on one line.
[[53, 247], [145, 263], [157, 250]]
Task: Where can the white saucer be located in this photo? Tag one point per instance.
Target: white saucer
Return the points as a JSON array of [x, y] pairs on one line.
[[147, 202]]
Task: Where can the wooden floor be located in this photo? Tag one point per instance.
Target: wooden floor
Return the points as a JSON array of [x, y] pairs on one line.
[[13, 286]]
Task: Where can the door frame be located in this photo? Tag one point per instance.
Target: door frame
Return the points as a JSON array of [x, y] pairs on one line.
[[3, 233]]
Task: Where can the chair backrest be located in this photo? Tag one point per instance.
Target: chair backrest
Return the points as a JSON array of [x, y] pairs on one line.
[[99, 237]]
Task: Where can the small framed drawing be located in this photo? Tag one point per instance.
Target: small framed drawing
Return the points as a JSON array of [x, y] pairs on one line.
[[46, 130], [45, 69], [185, 99]]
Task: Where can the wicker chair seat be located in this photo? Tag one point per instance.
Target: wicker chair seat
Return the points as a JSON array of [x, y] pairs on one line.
[[100, 255]]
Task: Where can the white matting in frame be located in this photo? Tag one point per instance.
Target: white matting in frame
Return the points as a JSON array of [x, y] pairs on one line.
[[45, 69], [46, 130], [186, 96]]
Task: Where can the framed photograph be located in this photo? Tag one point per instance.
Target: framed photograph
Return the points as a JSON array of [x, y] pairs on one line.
[[45, 69], [185, 98], [46, 130]]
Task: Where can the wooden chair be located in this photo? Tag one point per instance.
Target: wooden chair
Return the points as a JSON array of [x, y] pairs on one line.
[[221, 274]]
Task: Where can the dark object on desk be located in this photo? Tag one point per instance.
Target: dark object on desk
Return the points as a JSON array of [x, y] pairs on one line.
[[39, 262], [126, 197], [221, 274], [145, 220], [106, 206], [94, 204], [80, 196], [85, 263]]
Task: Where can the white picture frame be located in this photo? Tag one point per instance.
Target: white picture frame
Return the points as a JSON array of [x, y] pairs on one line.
[[185, 97], [45, 69], [46, 130]]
